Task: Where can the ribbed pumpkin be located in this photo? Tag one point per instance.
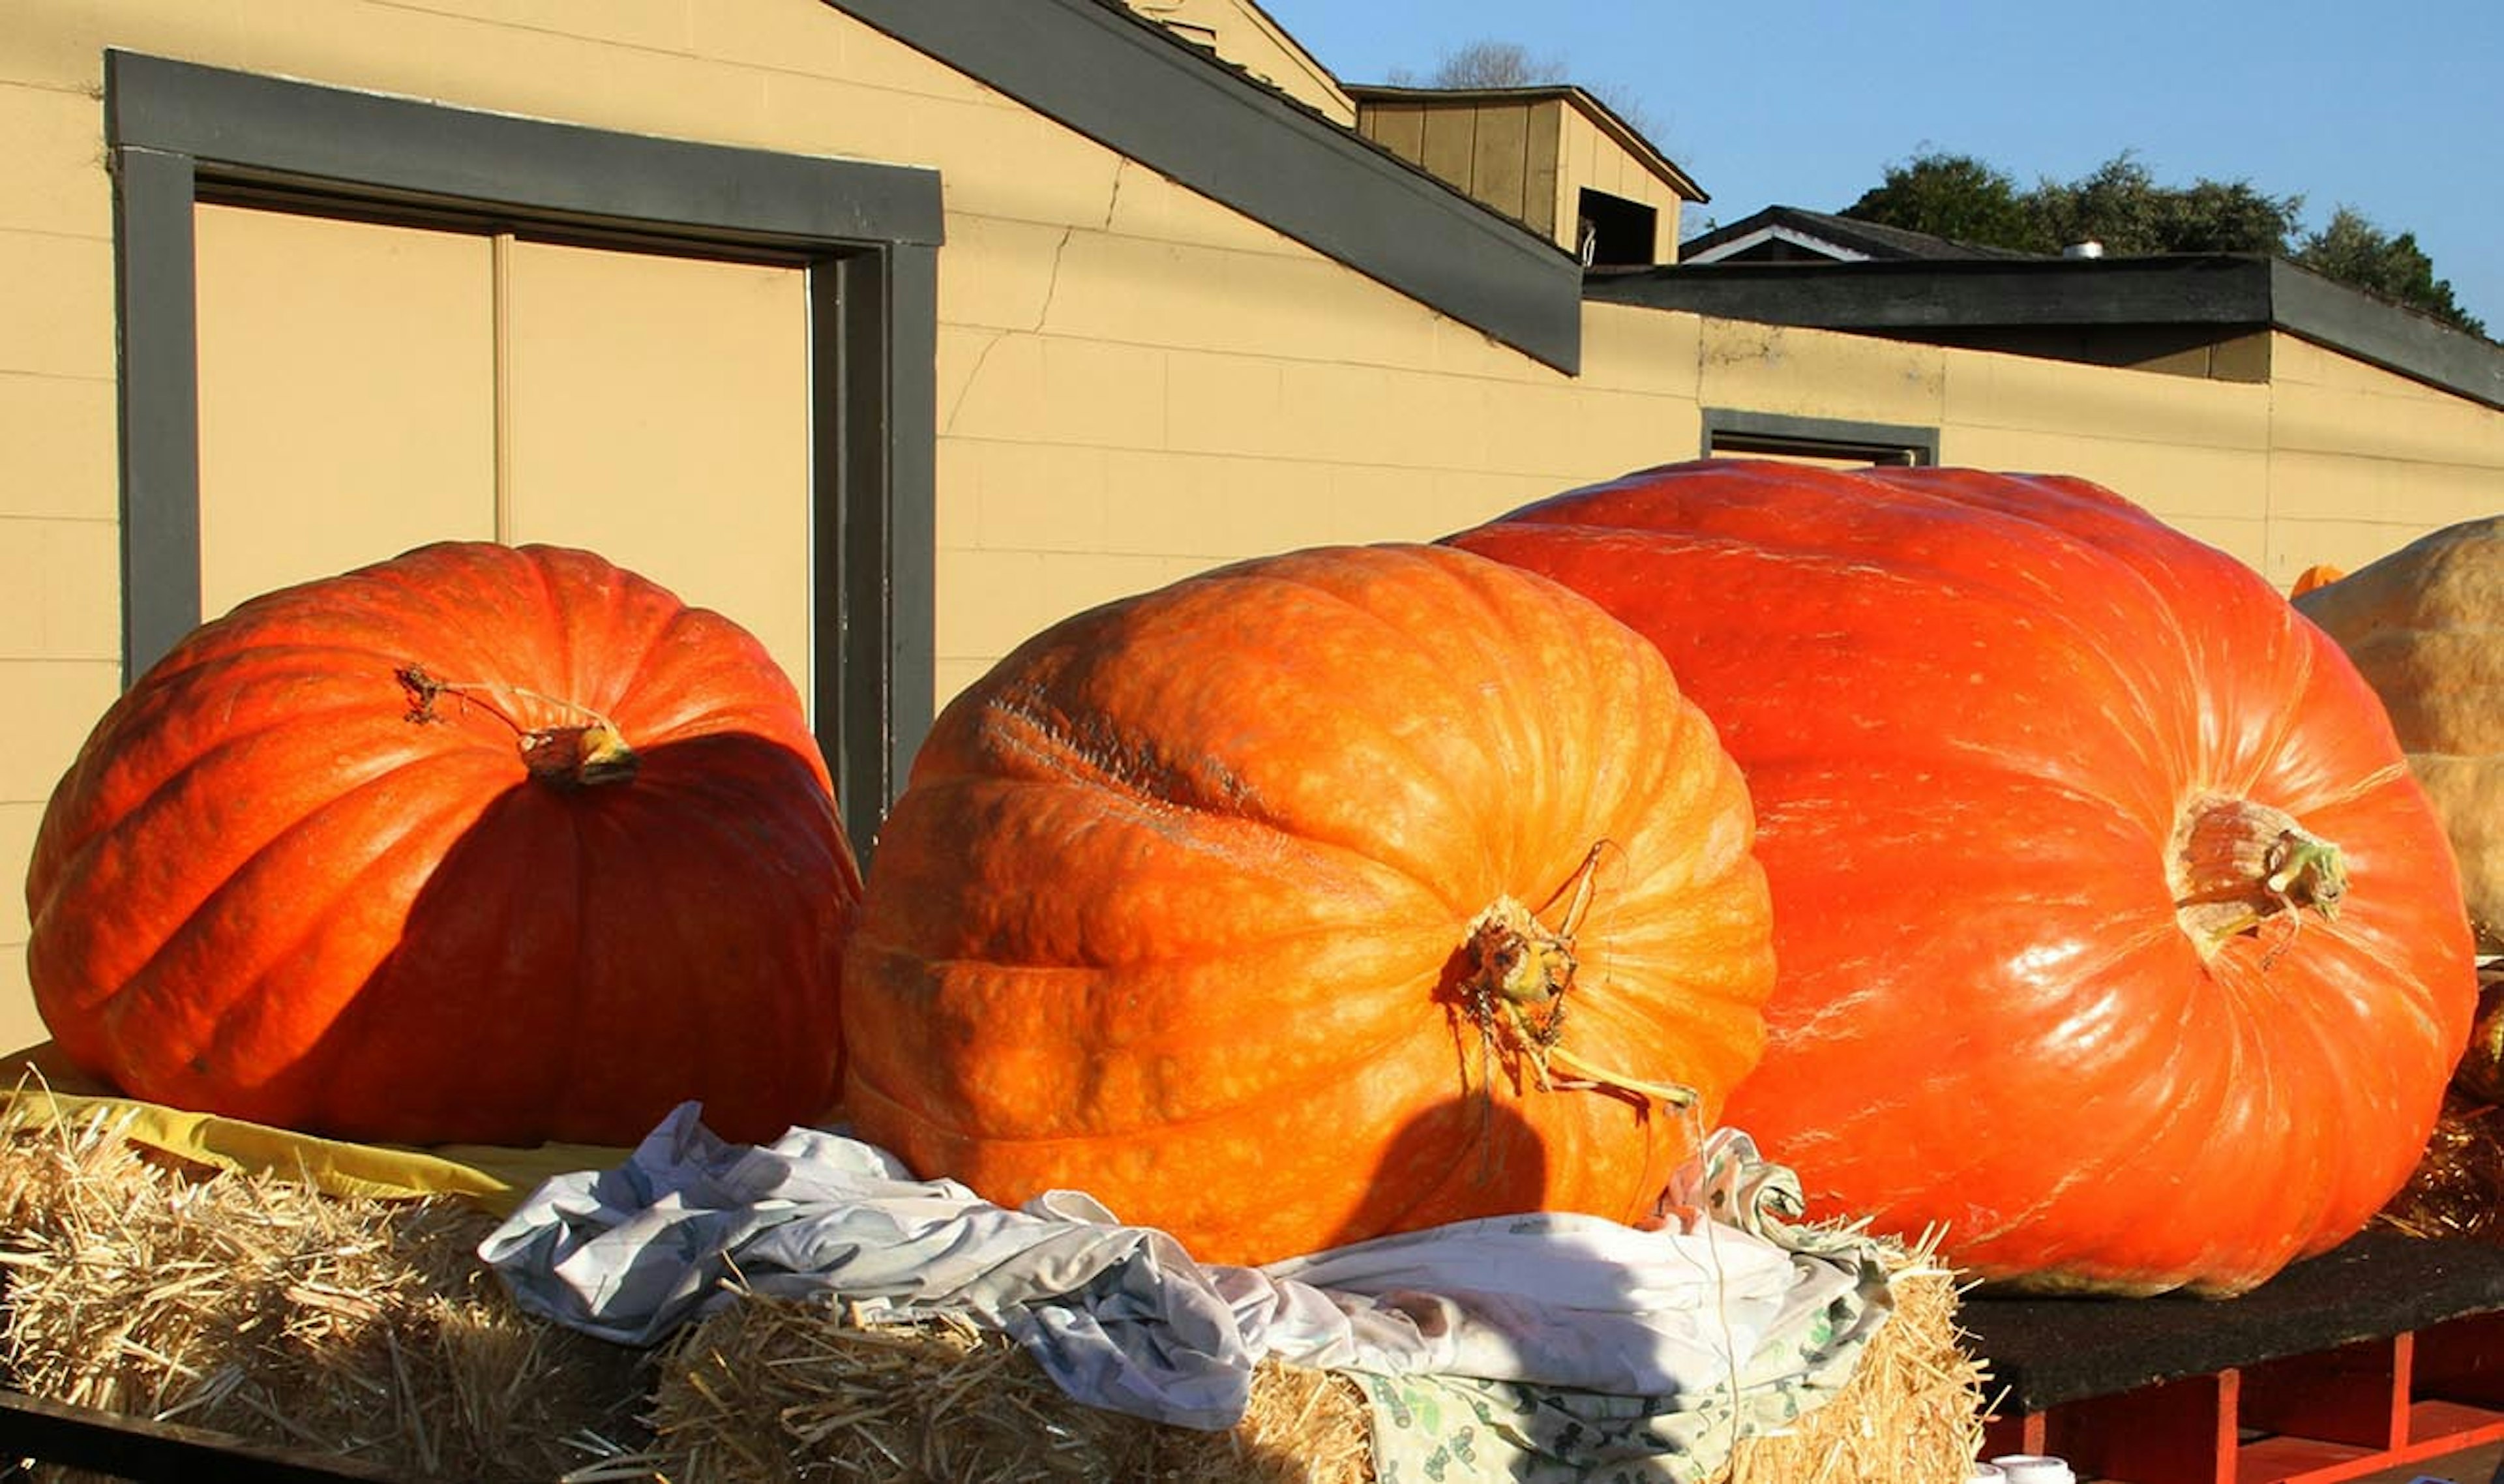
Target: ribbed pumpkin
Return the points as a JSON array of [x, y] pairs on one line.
[[479, 844], [2116, 936], [2425, 626], [1311, 899]]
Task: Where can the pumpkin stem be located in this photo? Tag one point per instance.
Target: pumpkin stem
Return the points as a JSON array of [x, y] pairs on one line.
[[577, 755], [2236, 865], [1669, 1092], [1515, 990]]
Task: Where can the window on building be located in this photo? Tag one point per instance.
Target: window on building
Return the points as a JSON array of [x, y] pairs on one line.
[[1616, 232], [366, 387], [1730, 432]]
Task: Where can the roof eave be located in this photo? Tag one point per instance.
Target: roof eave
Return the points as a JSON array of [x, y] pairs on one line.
[[1730, 246], [1129, 85], [2229, 293]]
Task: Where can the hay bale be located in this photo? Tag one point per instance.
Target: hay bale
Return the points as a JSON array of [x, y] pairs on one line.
[[1913, 1411], [772, 1391], [790, 1391], [260, 1308], [2457, 1188], [369, 1329]]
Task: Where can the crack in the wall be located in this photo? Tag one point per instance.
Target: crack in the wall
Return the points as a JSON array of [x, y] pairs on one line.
[[1052, 285], [1042, 316], [948, 424], [1113, 202]]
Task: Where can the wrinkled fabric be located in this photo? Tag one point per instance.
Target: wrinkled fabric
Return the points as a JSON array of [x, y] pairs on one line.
[[1443, 1430], [1643, 1322]]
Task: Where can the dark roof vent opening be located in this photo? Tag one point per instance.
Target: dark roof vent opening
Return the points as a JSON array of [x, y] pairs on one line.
[[1615, 233]]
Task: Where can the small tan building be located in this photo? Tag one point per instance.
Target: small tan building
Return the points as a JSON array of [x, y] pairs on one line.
[[899, 328], [1556, 159]]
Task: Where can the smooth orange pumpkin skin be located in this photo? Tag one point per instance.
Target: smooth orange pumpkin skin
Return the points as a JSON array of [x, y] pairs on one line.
[[263, 890], [1169, 911], [1971, 708]]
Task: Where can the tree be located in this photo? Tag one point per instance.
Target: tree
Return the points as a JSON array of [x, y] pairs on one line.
[[1955, 196], [2208, 217], [1489, 63], [2358, 253], [2120, 205], [1492, 64]]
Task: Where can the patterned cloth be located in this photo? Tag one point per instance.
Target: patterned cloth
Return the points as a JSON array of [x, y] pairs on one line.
[[1532, 1347], [1453, 1429]]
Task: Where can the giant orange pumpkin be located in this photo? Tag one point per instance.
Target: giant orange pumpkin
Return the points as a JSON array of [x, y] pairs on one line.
[[479, 844], [2114, 934], [1312, 899]]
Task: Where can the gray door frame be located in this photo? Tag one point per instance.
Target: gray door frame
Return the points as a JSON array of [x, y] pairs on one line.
[[867, 236]]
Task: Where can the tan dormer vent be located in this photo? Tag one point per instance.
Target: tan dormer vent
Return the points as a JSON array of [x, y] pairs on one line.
[[1553, 159]]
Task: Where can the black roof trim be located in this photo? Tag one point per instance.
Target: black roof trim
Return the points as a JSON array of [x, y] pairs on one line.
[[2400, 340], [2228, 292], [1129, 85], [1955, 294]]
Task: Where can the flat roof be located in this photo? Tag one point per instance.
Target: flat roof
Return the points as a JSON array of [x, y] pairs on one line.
[[1940, 298]]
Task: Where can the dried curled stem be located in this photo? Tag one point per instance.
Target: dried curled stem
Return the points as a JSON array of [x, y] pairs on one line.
[[577, 754], [2236, 866], [1520, 971]]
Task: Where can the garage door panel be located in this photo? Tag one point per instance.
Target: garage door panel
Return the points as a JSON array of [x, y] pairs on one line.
[[658, 413], [346, 394]]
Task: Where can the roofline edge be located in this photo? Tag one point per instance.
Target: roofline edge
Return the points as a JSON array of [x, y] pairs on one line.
[[1124, 82], [2226, 291]]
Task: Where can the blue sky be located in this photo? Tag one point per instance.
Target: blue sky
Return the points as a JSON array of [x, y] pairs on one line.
[[2395, 109]]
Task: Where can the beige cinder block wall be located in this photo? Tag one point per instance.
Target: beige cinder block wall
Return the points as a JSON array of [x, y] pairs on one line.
[[60, 622], [1132, 382], [2192, 450], [2325, 459], [2362, 461]]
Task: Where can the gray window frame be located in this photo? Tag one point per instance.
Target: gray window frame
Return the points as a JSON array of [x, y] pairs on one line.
[[867, 234], [1736, 433]]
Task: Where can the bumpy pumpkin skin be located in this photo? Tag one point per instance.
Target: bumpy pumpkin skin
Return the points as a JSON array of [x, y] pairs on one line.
[[1173, 906], [1973, 711], [2425, 626], [280, 883]]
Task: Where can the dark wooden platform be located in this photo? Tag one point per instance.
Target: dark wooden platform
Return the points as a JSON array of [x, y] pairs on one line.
[[33, 1429], [2385, 1350]]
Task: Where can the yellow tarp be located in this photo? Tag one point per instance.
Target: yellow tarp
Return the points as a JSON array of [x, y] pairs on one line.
[[42, 1092]]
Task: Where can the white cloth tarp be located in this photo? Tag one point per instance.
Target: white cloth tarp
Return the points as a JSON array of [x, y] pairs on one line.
[[1738, 1313]]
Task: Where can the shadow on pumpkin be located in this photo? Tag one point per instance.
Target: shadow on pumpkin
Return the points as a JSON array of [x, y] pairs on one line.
[[1462, 1157], [582, 958]]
